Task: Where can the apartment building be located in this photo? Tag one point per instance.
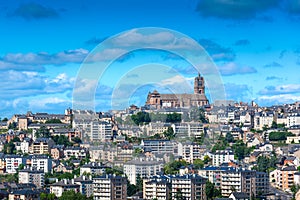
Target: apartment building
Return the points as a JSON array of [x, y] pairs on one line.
[[190, 129], [110, 187], [190, 186], [42, 146], [92, 168], [189, 151], [40, 162], [143, 167], [76, 152], [158, 146], [29, 175], [222, 156], [65, 185], [12, 163], [284, 177], [85, 185], [230, 179]]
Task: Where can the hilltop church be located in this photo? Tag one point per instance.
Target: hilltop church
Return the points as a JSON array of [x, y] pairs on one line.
[[157, 100]]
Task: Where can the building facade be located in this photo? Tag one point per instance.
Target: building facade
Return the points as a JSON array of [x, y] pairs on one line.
[[157, 100]]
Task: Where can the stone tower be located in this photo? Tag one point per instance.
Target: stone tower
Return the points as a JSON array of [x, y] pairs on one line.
[[199, 86]]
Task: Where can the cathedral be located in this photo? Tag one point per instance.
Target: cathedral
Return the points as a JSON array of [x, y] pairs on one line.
[[157, 100]]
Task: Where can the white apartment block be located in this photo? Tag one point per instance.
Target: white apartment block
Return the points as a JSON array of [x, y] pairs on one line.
[[190, 186], [264, 119], [222, 156], [158, 146], [145, 167], [43, 163], [65, 185], [13, 162], [77, 152], [188, 129], [110, 187], [190, 151], [241, 180], [33, 176], [94, 130], [293, 119]]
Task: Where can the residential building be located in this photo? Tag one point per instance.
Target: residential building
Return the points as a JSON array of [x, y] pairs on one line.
[[143, 167], [13, 162], [189, 186], [110, 187], [65, 185], [42, 146], [230, 179], [158, 146], [284, 177], [41, 162], [29, 175], [92, 168], [76, 152], [57, 152], [86, 185], [189, 151], [222, 156]]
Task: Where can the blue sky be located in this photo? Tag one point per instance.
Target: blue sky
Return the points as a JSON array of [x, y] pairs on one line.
[[254, 44]]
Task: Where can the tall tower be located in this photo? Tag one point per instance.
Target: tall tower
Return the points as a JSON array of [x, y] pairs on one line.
[[199, 86]]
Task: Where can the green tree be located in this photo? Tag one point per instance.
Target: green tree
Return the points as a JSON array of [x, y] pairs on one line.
[[42, 132], [12, 125], [240, 150], [9, 148], [279, 135], [71, 194], [169, 134], [5, 119], [229, 138], [53, 121], [198, 163], [173, 167], [45, 196], [139, 183], [16, 139], [137, 151], [211, 191], [76, 140]]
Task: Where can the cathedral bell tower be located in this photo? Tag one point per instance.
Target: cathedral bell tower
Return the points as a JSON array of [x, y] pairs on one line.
[[199, 86]]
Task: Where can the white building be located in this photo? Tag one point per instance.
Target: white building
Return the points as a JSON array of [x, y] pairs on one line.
[[41, 162], [13, 162], [189, 186], [222, 156], [110, 187], [65, 185], [142, 166], [293, 119], [188, 129], [77, 152], [190, 151], [25, 144], [92, 168], [33, 176]]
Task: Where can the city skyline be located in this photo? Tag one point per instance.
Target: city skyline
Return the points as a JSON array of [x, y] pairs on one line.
[[253, 44]]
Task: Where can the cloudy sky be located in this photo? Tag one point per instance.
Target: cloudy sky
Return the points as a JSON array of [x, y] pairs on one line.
[[254, 44]]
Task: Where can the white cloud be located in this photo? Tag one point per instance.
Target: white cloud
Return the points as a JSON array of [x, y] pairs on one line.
[[232, 68]]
